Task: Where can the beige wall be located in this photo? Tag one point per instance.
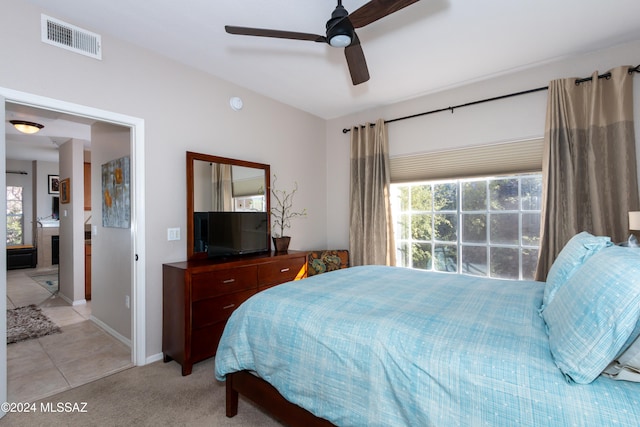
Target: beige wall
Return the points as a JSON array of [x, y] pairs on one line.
[[71, 268], [110, 247], [183, 110], [43, 200], [510, 119]]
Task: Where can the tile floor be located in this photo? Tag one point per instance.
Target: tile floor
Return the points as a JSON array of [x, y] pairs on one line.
[[83, 352]]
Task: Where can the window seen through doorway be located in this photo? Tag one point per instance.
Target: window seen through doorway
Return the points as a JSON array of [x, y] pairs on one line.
[[15, 216]]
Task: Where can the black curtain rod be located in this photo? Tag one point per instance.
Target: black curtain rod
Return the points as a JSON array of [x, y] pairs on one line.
[[632, 70]]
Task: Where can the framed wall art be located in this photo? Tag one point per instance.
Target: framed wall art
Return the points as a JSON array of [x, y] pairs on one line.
[[116, 198], [65, 190], [54, 184]]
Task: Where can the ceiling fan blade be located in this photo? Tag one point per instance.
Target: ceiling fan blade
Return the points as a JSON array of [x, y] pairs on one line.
[[244, 31], [375, 10], [356, 62]]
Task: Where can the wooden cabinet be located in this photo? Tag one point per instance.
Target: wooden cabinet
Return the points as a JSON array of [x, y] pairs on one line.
[[87, 186], [199, 296], [87, 271]]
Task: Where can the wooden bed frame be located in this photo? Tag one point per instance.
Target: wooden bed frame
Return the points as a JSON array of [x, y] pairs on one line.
[[264, 394], [267, 397]]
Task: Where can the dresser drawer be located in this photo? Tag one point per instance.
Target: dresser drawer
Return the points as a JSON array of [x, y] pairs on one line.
[[212, 310], [221, 282], [205, 341], [280, 271]]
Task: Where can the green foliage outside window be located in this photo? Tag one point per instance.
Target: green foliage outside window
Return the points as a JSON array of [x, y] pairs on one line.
[[15, 217], [486, 226]]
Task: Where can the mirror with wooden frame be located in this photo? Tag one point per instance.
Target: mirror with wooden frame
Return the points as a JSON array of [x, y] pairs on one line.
[[222, 184]]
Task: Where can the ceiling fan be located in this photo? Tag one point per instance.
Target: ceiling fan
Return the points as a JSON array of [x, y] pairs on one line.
[[340, 32]]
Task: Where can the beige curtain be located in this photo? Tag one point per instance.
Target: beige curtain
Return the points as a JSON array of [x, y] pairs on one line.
[[371, 229], [221, 191], [589, 165]]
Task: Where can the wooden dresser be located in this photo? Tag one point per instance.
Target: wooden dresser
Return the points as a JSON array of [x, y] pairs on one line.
[[199, 296]]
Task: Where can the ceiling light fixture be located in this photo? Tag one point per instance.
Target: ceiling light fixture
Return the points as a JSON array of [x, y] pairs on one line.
[[340, 40], [26, 127]]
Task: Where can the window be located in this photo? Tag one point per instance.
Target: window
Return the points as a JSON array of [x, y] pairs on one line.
[[15, 216], [480, 226]]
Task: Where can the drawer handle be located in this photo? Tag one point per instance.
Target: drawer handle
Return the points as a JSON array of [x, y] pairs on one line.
[[226, 307], [284, 270], [226, 282]]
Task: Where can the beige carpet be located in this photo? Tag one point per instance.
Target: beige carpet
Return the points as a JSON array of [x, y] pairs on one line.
[[152, 395]]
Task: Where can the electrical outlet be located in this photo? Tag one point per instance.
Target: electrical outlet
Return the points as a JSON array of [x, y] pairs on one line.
[[127, 302], [173, 234]]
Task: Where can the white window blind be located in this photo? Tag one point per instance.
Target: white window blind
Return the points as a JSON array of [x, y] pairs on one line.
[[498, 159]]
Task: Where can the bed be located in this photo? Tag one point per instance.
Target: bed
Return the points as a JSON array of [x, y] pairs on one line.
[[389, 346]]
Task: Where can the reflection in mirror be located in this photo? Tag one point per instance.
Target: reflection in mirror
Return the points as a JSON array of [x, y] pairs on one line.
[[222, 187], [218, 184]]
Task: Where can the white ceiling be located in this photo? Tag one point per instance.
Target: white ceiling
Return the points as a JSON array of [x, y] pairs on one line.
[[429, 46], [58, 129]]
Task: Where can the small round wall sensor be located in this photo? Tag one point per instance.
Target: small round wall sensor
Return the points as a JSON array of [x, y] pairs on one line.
[[236, 103]]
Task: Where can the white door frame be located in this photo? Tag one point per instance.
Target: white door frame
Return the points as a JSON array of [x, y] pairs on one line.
[[138, 339]]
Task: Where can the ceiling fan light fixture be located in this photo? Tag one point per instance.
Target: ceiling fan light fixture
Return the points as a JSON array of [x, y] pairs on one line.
[[25, 126], [339, 29], [340, 40], [340, 34]]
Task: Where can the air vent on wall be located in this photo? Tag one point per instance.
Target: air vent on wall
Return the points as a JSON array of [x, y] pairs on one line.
[[70, 37]]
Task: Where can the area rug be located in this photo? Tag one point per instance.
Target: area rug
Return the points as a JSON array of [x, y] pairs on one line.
[[24, 323]]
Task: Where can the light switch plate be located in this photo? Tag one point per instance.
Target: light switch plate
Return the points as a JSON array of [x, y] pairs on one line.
[[173, 233]]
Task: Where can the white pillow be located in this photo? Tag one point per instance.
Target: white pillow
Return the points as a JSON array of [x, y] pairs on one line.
[[627, 366]]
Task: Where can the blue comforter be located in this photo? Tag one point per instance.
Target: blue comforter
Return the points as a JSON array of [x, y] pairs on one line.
[[388, 346]]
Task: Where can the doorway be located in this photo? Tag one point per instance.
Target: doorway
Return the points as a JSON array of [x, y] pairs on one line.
[[136, 126]]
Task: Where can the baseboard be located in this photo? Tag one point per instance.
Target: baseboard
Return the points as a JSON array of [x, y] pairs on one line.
[[126, 341], [64, 297], [154, 358], [69, 300]]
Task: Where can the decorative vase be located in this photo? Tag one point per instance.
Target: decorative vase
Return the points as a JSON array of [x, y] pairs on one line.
[[281, 243]]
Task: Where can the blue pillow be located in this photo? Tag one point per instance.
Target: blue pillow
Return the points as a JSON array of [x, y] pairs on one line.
[[593, 315], [577, 250]]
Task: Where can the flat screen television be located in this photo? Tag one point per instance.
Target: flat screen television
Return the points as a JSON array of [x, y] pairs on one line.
[[237, 233], [55, 210], [200, 231]]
